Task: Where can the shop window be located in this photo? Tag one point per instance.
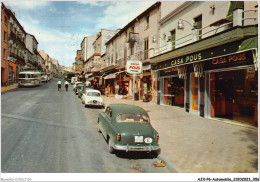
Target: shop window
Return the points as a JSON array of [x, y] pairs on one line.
[[195, 92], [234, 95], [174, 91]]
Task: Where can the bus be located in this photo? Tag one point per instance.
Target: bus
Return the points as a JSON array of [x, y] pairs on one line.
[[29, 78]]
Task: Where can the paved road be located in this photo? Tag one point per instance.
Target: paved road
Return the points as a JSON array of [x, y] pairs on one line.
[[46, 131]]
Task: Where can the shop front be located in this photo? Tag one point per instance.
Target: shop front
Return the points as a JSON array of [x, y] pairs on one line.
[[219, 82], [110, 85], [172, 87], [233, 88], [123, 82], [146, 84]]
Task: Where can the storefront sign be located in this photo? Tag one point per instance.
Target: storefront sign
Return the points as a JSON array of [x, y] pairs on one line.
[[240, 59], [134, 67], [229, 59], [204, 55]]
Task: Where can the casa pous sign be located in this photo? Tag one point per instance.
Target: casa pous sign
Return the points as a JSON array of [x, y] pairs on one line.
[[134, 67]]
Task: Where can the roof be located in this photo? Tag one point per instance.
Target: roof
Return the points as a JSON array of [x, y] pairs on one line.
[[93, 90], [126, 108], [143, 14]]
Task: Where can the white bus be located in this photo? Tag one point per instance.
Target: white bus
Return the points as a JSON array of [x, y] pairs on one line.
[[29, 78]]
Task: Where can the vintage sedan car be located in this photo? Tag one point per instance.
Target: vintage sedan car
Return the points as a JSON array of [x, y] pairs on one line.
[[78, 87], [76, 83], [82, 90], [92, 97], [128, 128]]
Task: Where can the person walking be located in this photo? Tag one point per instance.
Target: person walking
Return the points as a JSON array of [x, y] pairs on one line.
[[59, 85], [66, 85]]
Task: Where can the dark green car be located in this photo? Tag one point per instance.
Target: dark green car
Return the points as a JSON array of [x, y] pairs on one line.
[[128, 128]]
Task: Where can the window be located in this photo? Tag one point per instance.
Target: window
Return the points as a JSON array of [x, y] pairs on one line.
[[147, 22], [146, 48], [5, 19], [173, 38], [94, 94], [132, 49], [198, 26], [5, 36], [109, 112], [4, 54], [132, 117]]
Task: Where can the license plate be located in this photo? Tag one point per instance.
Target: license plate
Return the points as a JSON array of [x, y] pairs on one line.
[[139, 139]]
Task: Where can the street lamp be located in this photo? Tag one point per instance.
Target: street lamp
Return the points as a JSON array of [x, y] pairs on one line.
[[181, 24]]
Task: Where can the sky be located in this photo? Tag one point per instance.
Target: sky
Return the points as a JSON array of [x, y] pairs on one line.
[[60, 26]]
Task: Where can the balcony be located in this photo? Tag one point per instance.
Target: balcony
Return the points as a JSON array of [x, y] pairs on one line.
[[240, 19], [16, 38]]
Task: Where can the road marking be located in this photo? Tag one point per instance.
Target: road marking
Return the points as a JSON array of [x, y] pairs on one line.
[[43, 121]]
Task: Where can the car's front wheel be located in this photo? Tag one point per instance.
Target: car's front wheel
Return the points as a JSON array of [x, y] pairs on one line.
[[110, 148]]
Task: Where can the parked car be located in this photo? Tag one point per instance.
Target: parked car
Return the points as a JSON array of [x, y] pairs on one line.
[[92, 97], [76, 83], [128, 128], [73, 80], [78, 87], [82, 90]]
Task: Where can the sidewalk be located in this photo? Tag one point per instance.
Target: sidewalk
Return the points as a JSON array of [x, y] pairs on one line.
[[9, 87], [194, 144]]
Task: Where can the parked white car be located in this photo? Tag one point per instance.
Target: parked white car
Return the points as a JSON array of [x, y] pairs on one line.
[[73, 80], [92, 97], [76, 83]]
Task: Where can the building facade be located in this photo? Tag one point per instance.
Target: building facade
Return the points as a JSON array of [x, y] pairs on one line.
[[136, 41], [208, 64], [87, 49], [4, 46], [16, 48]]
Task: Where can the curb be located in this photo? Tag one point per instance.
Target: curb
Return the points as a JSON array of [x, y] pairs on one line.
[[11, 87], [172, 167]]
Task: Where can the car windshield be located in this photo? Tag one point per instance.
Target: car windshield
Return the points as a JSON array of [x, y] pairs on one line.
[[132, 117], [96, 94]]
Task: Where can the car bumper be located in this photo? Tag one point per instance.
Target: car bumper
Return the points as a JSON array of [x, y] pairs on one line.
[[99, 105], [127, 148]]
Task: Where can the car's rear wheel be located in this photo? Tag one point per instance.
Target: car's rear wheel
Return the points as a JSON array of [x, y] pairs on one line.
[[110, 148]]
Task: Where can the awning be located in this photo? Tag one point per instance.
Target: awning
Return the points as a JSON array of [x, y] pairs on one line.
[[88, 75], [110, 76], [147, 67], [91, 78]]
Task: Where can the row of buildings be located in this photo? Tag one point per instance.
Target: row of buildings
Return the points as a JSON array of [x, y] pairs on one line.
[[201, 56], [19, 50]]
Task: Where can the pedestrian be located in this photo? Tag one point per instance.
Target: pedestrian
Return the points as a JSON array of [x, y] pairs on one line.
[[59, 85], [66, 85]]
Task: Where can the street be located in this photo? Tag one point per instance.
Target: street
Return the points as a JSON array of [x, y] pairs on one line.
[[46, 131]]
